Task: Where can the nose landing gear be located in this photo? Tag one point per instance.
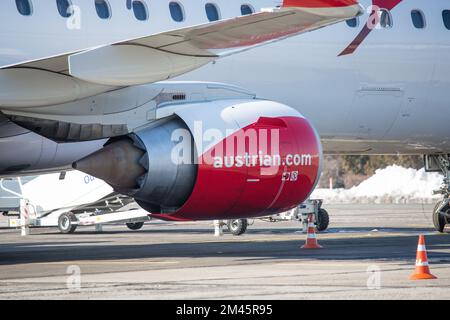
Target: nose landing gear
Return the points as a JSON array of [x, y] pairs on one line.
[[441, 215], [441, 212]]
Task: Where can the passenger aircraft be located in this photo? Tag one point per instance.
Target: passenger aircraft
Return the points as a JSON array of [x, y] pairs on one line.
[[83, 87]]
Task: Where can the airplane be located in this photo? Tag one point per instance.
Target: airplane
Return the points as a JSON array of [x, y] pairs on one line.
[[82, 76], [97, 99]]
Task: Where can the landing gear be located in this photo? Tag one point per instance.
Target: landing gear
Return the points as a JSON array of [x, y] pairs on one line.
[[135, 225], [323, 220], [440, 215], [237, 227], [441, 212]]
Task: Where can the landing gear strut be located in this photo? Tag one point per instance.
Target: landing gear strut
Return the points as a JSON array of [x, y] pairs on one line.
[[441, 212], [237, 227], [323, 220]]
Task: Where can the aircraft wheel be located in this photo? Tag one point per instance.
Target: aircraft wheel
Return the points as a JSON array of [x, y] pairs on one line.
[[237, 227], [438, 220], [323, 220], [135, 225], [66, 223]]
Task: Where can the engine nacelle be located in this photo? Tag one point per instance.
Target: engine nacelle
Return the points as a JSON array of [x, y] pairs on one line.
[[215, 160]]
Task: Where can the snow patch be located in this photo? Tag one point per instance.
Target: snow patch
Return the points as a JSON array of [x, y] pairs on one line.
[[393, 184]]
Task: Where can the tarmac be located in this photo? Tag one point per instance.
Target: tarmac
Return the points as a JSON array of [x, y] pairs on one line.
[[368, 253]]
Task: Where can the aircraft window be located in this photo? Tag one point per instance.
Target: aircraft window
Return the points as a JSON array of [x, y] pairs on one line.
[[418, 19], [103, 9], [176, 11], [385, 19], [212, 12], [246, 9], [352, 23], [24, 7], [140, 10], [64, 8], [446, 18]]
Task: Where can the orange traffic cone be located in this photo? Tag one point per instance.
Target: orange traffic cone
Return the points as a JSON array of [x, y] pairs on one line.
[[311, 240], [422, 270]]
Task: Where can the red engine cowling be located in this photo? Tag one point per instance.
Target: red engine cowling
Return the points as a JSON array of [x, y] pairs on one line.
[[251, 158]]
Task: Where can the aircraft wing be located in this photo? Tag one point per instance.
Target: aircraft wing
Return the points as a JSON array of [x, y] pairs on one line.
[[165, 55]]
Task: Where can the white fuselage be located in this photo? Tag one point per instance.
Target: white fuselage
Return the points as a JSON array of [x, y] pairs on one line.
[[389, 96], [45, 33]]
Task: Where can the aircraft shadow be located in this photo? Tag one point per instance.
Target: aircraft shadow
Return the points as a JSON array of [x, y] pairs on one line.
[[374, 247], [205, 231]]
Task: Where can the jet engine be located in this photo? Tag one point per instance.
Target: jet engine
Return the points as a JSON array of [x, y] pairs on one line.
[[219, 159]]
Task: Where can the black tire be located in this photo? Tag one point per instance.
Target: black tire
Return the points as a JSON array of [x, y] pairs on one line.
[[237, 227], [135, 225], [438, 220], [323, 220], [66, 223]]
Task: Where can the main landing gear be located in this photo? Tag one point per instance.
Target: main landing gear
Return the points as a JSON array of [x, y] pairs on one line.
[[238, 227], [441, 212]]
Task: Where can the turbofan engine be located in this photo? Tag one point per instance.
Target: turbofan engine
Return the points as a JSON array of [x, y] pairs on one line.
[[214, 160]]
